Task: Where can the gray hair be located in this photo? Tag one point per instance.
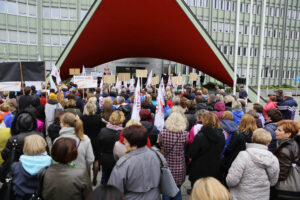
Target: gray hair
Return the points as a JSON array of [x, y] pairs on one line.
[[200, 112], [120, 100], [176, 100]]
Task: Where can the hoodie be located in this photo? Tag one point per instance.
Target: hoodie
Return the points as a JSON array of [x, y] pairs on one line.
[[252, 173], [237, 116], [152, 130], [220, 108], [229, 126]]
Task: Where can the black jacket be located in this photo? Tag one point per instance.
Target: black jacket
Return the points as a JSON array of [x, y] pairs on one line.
[[53, 131], [24, 102], [106, 141], [247, 137], [126, 109], [92, 125], [152, 130], [205, 153]]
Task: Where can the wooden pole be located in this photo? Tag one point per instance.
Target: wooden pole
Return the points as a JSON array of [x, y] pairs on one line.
[[46, 82], [22, 80]]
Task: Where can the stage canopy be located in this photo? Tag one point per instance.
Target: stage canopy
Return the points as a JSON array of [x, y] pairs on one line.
[[165, 29]]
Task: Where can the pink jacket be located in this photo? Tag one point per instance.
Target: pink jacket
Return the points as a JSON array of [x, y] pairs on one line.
[[193, 132], [40, 126], [268, 106]]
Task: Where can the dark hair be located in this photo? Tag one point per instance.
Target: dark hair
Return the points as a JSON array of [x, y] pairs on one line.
[[259, 108], [43, 94], [274, 114], [106, 192], [64, 150], [199, 99], [23, 122], [58, 115], [52, 90], [136, 135], [146, 115], [27, 90]]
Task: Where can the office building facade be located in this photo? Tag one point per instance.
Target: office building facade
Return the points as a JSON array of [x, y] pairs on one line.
[[40, 29]]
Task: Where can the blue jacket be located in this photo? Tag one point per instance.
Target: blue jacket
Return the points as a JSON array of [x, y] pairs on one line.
[[288, 108], [271, 127], [8, 119], [229, 126], [237, 116], [243, 94]]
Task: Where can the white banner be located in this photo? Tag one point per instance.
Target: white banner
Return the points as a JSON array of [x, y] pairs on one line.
[[10, 86], [38, 84], [96, 74], [85, 82]]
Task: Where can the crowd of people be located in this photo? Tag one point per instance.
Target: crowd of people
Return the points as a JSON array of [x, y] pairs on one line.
[[60, 141]]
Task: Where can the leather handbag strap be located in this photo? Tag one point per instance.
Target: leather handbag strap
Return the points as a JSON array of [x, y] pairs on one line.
[[173, 146]]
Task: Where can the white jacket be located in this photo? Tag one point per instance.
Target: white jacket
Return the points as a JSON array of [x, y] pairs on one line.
[[50, 112], [252, 173]]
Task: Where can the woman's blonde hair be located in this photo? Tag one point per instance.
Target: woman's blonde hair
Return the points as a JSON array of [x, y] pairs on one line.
[[93, 100], [209, 188], [117, 117], [34, 145], [61, 99], [219, 97], [71, 103], [133, 122], [248, 124], [175, 122], [71, 120], [227, 115], [204, 91], [108, 100], [90, 109], [5, 107], [261, 136], [210, 119]]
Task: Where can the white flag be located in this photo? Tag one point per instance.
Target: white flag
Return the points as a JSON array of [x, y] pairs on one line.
[[137, 103], [126, 84], [149, 80], [182, 87], [131, 87], [118, 85], [83, 73], [169, 81], [101, 86], [162, 86], [52, 84], [55, 73], [159, 121]]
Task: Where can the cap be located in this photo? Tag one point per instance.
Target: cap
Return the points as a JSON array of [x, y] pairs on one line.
[[288, 94]]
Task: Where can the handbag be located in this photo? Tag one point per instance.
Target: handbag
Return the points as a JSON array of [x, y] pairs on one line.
[[38, 194], [291, 185], [167, 185], [6, 191]]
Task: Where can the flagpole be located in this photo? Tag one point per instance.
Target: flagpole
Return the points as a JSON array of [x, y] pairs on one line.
[[45, 81], [237, 26], [22, 80]]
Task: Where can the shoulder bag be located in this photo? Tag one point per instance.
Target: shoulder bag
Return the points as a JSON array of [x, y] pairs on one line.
[[38, 194], [167, 185]]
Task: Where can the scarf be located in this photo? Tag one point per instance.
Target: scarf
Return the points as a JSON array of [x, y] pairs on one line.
[[117, 127]]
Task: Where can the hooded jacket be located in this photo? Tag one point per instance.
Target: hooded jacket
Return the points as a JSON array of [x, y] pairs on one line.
[[237, 116], [205, 153], [252, 173], [220, 108], [152, 130], [271, 127], [50, 107], [126, 109], [25, 172], [288, 108]]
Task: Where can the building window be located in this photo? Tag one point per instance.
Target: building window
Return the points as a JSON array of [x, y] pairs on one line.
[[3, 35], [82, 14], [13, 36], [46, 12], [32, 10], [55, 40], [73, 14], [55, 13], [23, 37], [33, 38], [64, 13], [11, 8], [22, 9], [46, 39]]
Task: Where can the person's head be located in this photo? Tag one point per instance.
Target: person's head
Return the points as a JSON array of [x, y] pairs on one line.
[[183, 102], [253, 113], [90, 109], [236, 105], [261, 136], [199, 114], [272, 98], [23, 122], [146, 115], [93, 100], [64, 150], [136, 136], [248, 124], [227, 115], [106, 192], [176, 101], [204, 91], [108, 100], [199, 99], [120, 100], [70, 120], [274, 114], [258, 108], [209, 188], [34, 145], [175, 122], [228, 99], [27, 90], [210, 119], [217, 87], [211, 98], [287, 95], [219, 97], [133, 122], [58, 116], [5, 107], [71, 103], [286, 129], [117, 117]]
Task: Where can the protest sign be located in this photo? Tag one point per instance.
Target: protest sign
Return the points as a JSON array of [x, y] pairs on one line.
[[37, 84], [176, 80], [193, 76], [109, 79], [141, 73], [10, 86], [155, 80], [85, 82], [74, 71], [124, 76], [96, 74]]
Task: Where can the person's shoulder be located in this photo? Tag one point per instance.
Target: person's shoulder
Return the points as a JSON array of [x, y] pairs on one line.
[[123, 160]]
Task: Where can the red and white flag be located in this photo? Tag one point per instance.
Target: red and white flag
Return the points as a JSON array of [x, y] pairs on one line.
[[137, 102], [159, 121], [149, 80], [83, 73], [131, 87]]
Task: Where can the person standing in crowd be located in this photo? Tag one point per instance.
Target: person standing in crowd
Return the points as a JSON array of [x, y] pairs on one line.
[[271, 104], [197, 127], [62, 180], [24, 173], [4, 136], [209, 188], [106, 110], [25, 100], [234, 143], [71, 107], [202, 77], [254, 114], [220, 108], [237, 112], [137, 174], [106, 141], [246, 128], [206, 149], [23, 125], [50, 109], [288, 106], [71, 127], [106, 192], [92, 125], [148, 122], [54, 128], [288, 154], [259, 110], [172, 141], [217, 89], [273, 117], [278, 95], [254, 170], [243, 94], [43, 99]]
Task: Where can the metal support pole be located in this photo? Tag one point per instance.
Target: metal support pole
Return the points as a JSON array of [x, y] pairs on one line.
[[249, 48], [237, 27]]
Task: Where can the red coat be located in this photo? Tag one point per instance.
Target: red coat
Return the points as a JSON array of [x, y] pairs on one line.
[[268, 106], [43, 101]]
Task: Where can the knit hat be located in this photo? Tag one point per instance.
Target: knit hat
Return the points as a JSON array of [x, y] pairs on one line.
[[236, 105], [287, 94], [52, 96]]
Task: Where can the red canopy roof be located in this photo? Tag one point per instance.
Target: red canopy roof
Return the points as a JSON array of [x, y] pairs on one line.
[[166, 29]]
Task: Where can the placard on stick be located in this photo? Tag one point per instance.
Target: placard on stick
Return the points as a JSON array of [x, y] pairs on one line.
[[141, 73], [177, 80], [124, 77], [109, 79], [74, 71], [155, 80], [193, 76]]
